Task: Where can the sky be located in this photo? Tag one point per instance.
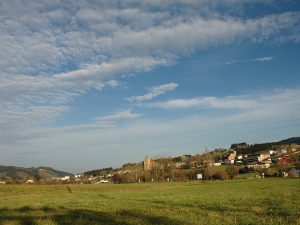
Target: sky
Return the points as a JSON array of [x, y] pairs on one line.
[[87, 85]]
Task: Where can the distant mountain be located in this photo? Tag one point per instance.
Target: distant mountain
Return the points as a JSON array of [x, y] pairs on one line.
[[293, 140], [21, 173]]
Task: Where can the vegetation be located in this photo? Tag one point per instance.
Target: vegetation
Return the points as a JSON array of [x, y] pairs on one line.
[[243, 148], [99, 172], [244, 201], [180, 168], [20, 173]]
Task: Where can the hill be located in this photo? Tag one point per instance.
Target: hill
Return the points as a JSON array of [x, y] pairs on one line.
[[21, 173], [244, 148], [293, 140]]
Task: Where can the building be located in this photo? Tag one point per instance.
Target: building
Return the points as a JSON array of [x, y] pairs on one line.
[[148, 163], [282, 160], [294, 172], [257, 157], [232, 155]]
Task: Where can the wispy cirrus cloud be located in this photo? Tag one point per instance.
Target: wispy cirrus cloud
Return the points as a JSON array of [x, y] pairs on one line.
[[153, 92], [250, 60], [246, 102], [119, 116]]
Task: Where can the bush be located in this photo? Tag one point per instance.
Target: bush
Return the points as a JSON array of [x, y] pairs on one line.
[[232, 171], [220, 175], [243, 170]]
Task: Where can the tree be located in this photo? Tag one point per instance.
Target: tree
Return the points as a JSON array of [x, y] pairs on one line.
[[37, 177], [208, 162], [156, 170], [232, 171]]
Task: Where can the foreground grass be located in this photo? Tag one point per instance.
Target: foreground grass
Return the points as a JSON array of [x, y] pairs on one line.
[[252, 201]]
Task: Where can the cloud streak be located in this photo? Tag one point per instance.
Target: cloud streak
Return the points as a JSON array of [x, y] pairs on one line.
[[250, 60], [120, 116], [153, 92], [245, 102]]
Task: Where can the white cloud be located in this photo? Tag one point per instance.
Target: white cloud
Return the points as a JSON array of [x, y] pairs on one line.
[[44, 45], [251, 60], [154, 92], [20, 122], [245, 102], [120, 116], [276, 117], [264, 59]]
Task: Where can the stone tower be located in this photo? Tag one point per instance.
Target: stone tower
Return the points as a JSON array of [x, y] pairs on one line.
[[147, 163]]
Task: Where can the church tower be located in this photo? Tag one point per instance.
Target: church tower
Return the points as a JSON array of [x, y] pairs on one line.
[[147, 163]]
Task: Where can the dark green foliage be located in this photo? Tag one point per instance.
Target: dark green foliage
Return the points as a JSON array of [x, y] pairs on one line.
[[238, 145], [293, 140], [37, 177], [243, 170], [243, 148], [178, 159], [251, 149], [99, 171], [129, 164]]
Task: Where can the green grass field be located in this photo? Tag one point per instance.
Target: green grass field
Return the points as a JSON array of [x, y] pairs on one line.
[[244, 201]]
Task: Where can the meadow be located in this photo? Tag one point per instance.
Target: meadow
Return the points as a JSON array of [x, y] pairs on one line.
[[243, 201]]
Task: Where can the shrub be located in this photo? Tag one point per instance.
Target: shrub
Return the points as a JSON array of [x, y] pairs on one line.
[[232, 171], [220, 175]]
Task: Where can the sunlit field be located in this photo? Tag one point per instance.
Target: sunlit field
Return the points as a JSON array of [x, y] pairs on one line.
[[244, 201]]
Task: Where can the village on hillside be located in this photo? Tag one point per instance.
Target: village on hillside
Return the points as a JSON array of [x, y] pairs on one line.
[[220, 164], [241, 161]]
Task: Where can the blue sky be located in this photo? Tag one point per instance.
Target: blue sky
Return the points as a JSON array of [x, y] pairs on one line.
[[92, 84]]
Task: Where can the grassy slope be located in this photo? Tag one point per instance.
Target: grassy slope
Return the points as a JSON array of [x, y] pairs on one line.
[[253, 201]]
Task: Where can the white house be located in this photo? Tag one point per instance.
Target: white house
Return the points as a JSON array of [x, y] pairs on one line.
[[228, 161], [65, 178]]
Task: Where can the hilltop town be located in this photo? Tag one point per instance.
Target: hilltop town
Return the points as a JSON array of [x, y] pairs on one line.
[[267, 160], [280, 159]]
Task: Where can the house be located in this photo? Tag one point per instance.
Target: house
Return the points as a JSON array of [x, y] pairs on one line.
[[228, 161], [258, 157], [282, 160], [180, 164], [256, 165], [294, 172], [194, 164], [281, 151], [103, 181], [64, 178], [252, 158], [264, 155], [238, 163], [232, 155]]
